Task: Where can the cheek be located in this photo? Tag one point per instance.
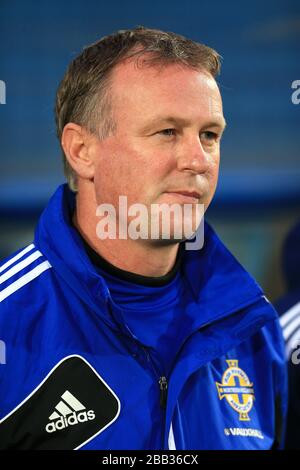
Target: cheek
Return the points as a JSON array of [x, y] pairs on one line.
[[216, 169], [214, 163], [212, 178], [121, 174], [213, 175]]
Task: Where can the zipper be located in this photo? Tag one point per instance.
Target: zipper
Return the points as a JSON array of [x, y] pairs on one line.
[[163, 386], [162, 381]]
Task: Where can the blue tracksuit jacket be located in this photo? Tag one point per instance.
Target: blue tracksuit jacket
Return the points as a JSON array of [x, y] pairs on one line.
[[73, 376]]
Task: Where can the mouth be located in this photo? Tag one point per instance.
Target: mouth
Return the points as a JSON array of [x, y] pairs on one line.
[[190, 196]]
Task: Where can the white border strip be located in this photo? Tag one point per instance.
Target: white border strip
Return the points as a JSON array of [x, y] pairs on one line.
[[171, 440], [43, 381], [15, 258], [35, 272]]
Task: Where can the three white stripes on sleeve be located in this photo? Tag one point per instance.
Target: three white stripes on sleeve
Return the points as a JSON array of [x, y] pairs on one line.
[[26, 278]]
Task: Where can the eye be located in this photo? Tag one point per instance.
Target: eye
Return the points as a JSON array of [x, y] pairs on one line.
[[210, 136], [167, 132]]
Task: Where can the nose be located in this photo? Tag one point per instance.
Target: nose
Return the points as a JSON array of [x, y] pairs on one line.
[[192, 157]]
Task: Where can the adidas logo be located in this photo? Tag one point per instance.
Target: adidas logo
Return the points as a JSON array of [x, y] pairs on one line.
[[69, 411]]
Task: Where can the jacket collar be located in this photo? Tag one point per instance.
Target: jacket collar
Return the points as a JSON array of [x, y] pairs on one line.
[[219, 282], [60, 242]]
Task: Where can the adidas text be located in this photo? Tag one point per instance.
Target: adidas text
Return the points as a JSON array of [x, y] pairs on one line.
[[71, 420]]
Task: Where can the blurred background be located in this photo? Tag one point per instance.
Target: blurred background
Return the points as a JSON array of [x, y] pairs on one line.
[[258, 196]]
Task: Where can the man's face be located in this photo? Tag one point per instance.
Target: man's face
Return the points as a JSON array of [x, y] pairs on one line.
[[169, 123]]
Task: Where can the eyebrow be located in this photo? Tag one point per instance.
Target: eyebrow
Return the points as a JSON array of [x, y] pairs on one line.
[[220, 123]]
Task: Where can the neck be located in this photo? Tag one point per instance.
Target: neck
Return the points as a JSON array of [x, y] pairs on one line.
[[136, 256]]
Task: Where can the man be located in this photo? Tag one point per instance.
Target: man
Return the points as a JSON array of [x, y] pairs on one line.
[[120, 341]]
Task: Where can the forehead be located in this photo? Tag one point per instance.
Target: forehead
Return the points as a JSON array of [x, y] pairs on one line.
[[148, 91]]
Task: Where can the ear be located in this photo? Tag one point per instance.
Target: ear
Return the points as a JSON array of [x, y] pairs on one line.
[[76, 142]]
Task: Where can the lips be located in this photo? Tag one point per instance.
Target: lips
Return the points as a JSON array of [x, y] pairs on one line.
[[193, 195]]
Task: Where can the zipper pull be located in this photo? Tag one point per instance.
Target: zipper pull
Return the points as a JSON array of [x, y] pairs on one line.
[[163, 385]]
